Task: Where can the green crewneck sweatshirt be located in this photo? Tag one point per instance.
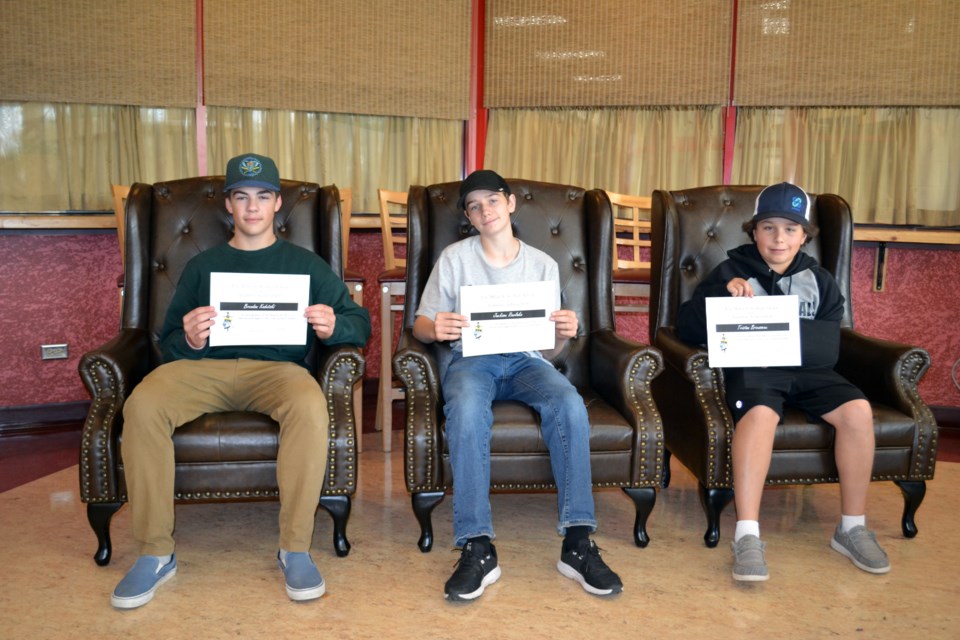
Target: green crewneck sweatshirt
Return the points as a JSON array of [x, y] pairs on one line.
[[193, 290]]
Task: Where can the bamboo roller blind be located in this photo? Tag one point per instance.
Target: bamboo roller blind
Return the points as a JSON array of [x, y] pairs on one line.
[[829, 53], [563, 53], [394, 57], [129, 52], [374, 57]]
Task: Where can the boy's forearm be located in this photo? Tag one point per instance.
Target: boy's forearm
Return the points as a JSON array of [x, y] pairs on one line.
[[423, 330]]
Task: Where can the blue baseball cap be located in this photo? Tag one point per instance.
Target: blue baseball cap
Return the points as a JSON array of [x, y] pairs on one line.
[[783, 200]]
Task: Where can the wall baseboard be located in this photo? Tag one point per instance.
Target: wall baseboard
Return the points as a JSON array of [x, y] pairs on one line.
[[947, 417], [43, 418]]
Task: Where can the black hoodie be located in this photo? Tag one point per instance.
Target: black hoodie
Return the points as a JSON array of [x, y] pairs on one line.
[[821, 303]]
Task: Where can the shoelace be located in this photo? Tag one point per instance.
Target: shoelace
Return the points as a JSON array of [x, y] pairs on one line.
[[472, 559], [591, 558]]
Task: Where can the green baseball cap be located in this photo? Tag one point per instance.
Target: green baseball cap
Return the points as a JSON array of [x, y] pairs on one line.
[[252, 170]]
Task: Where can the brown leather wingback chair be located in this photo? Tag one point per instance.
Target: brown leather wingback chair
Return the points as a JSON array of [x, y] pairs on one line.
[[613, 374], [692, 231], [227, 456]]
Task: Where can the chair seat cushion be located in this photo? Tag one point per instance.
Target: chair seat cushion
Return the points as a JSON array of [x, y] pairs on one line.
[[393, 275], [632, 276], [892, 428], [516, 428], [231, 436]]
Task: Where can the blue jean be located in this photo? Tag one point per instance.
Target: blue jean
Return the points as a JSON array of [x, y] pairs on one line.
[[470, 386]]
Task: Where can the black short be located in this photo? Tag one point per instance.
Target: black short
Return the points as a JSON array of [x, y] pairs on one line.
[[815, 391]]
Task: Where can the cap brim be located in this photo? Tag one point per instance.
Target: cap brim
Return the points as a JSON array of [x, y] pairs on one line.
[[252, 183]]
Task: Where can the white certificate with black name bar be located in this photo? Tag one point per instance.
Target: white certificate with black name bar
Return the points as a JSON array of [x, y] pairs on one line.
[[259, 308], [508, 318], [762, 331]]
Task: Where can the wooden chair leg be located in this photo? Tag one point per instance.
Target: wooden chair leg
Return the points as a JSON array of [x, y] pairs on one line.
[[644, 498], [99, 515], [423, 505], [339, 508]]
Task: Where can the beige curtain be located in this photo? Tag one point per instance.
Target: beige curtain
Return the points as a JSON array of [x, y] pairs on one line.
[[894, 165], [624, 150], [361, 152], [63, 157]]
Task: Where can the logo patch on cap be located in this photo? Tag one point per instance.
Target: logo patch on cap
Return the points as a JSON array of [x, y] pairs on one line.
[[250, 167], [797, 203]]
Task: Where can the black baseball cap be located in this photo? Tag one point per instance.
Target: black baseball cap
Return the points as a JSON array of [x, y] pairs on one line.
[[485, 180]]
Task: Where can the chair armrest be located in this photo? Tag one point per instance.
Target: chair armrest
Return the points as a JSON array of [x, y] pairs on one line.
[[698, 427], [633, 365], [889, 373], [886, 371], [414, 363], [621, 373], [109, 373], [339, 368]]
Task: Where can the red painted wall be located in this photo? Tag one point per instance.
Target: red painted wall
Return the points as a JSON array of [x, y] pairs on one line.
[[62, 288]]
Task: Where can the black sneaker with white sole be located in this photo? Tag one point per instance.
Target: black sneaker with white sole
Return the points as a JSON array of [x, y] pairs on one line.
[[584, 564], [475, 571]]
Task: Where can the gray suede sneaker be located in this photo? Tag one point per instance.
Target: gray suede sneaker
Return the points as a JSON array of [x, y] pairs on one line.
[[748, 562], [860, 545]]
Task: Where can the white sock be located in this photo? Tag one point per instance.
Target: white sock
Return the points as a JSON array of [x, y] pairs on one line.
[[849, 522], [283, 556], [746, 528], [164, 560]]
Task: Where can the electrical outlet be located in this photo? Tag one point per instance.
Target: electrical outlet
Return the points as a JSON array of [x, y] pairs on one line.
[[53, 352]]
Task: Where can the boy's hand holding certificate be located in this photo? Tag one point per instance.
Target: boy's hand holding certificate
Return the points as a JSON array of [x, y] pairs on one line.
[[508, 318], [762, 331]]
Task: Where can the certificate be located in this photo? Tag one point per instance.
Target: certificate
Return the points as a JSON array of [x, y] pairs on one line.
[[259, 308], [763, 331], [508, 318]]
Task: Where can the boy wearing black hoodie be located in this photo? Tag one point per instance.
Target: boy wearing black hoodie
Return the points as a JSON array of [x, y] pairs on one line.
[[774, 265]]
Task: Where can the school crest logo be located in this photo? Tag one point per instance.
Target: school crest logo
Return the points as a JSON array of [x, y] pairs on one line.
[[250, 167]]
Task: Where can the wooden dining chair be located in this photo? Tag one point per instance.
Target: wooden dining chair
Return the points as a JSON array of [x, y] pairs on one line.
[[393, 286], [120, 192], [355, 283], [631, 275]]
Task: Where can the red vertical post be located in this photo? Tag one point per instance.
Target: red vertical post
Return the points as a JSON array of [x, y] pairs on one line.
[[477, 124], [201, 108], [730, 111]]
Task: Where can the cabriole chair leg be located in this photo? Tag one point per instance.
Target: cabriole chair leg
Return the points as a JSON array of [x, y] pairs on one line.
[[423, 505], [99, 515], [339, 508], [643, 500]]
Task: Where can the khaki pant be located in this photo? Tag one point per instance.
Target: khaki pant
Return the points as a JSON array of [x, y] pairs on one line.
[[177, 392]]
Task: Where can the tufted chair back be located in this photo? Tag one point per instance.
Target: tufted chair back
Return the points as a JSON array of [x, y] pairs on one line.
[[171, 222], [219, 456], [698, 227], [691, 231], [574, 227]]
